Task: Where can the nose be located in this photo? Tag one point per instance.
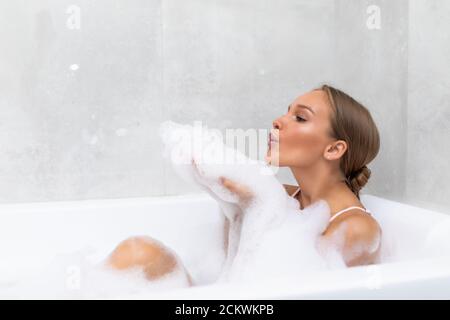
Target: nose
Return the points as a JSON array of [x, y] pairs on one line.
[[276, 124]]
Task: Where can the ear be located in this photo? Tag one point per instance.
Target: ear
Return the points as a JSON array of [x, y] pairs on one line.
[[335, 150]]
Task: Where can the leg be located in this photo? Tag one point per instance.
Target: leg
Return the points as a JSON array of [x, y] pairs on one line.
[[152, 256]]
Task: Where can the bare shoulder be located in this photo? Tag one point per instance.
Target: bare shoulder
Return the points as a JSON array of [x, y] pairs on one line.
[[358, 235], [358, 224], [290, 189], [362, 227]]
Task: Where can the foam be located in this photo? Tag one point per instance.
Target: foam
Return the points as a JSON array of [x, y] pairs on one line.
[[269, 237], [75, 275]]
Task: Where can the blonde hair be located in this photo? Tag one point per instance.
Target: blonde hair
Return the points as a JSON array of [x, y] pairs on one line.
[[352, 122]]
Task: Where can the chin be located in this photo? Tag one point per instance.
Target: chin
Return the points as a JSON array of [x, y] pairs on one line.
[[269, 160]]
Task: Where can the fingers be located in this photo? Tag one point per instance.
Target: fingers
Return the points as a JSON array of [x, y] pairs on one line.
[[234, 187], [196, 172], [227, 183], [242, 191]]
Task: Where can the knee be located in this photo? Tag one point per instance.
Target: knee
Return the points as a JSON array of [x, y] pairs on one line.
[[152, 256]]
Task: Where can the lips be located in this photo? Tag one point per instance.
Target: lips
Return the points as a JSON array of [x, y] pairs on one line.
[[272, 138]]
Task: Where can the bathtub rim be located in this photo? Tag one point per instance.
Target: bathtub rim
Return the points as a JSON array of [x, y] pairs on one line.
[[162, 199]]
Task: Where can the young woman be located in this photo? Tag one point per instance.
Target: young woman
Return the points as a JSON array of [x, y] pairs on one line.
[[326, 138]]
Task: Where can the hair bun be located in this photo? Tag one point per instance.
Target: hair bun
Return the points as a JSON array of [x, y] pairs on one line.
[[359, 179]]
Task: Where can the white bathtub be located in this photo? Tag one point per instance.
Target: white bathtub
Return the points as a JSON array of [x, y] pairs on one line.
[[31, 235]]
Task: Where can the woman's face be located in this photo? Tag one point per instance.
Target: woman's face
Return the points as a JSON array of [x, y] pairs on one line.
[[299, 137]]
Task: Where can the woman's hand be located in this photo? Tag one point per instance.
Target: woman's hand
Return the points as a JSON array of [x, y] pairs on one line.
[[244, 194]]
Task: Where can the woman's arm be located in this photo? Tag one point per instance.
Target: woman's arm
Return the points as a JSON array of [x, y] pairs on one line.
[[243, 192], [245, 197], [226, 231]]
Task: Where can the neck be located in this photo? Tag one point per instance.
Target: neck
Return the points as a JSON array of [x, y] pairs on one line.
[[318, 182]]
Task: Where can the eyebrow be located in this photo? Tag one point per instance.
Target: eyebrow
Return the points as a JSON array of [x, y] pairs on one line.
[[303, 106]]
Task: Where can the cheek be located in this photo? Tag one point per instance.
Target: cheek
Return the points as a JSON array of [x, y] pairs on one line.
[[303, 142]]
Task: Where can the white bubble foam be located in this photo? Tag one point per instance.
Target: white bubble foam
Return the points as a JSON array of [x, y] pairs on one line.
[[76, 276]]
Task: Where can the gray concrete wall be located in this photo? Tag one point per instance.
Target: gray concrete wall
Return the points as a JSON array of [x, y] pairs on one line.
[[79, 108], [428, 134], [371, 65]]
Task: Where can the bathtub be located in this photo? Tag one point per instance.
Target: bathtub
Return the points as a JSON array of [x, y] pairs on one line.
[[416, 243]]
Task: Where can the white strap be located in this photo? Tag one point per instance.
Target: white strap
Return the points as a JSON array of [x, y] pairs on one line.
[[295, 193], [347, 209], [340, 212]]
